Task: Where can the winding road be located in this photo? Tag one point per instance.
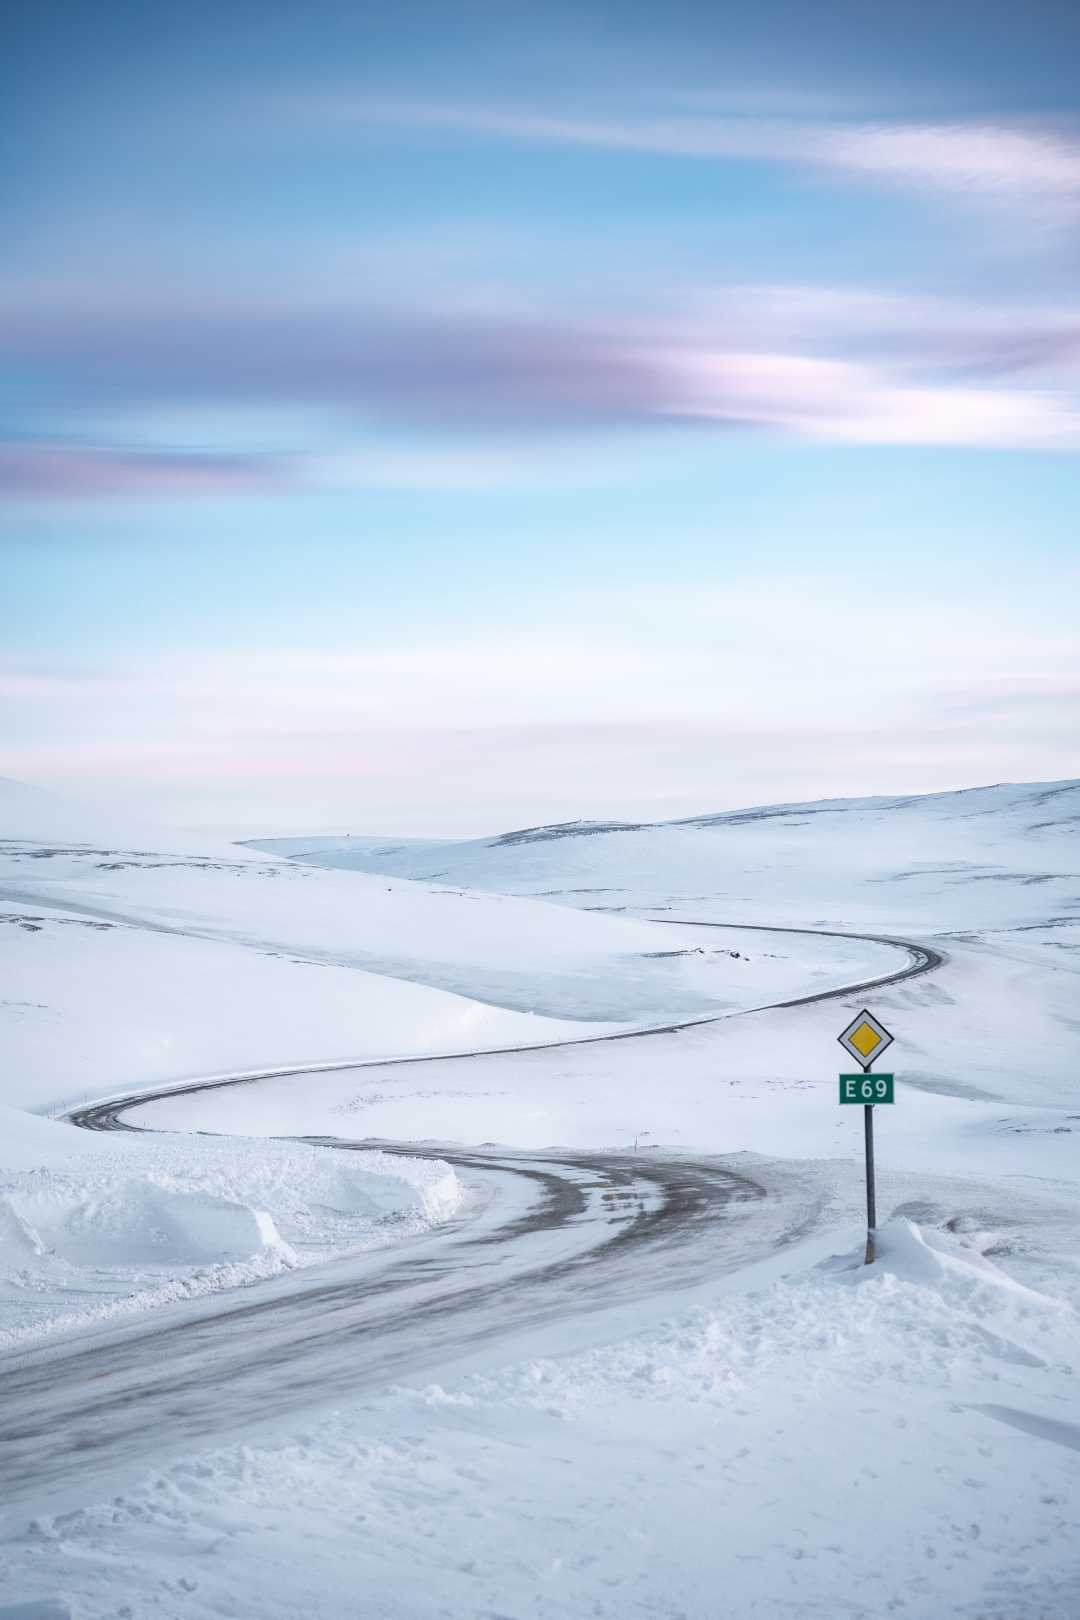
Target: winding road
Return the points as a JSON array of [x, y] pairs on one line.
[[555, 1238]]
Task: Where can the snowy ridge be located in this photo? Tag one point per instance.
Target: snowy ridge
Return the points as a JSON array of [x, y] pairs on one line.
[[108, 950], [1000, 856]]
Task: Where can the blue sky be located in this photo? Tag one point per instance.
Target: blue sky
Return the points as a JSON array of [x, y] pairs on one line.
[[439, 418]]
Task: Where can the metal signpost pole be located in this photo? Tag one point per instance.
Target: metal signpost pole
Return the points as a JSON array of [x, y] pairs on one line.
[[871, 1202], [865, 1038]]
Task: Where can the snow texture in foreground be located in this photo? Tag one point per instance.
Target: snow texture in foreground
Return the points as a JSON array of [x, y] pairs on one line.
[[94, 1227], [849, 1441]]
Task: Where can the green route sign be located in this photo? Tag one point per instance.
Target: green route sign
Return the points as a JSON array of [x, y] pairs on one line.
[[866, 1088]]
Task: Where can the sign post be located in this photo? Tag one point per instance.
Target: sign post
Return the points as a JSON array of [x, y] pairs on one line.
[[865, 1038]]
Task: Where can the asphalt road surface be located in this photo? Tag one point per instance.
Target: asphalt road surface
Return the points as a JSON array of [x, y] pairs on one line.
[[543, 1239]]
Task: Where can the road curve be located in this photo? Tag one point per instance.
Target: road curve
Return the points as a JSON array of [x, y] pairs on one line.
[[546, 1238], [108, 1115]]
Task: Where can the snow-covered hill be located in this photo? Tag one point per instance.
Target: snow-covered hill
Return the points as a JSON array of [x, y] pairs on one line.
[[990, 877], [131, 958], [993, 857]]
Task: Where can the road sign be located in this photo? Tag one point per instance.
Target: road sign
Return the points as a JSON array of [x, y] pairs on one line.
[[865, 1038], [866, 1088]]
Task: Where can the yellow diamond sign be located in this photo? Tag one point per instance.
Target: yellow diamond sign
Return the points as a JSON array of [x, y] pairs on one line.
[[865, 1038]]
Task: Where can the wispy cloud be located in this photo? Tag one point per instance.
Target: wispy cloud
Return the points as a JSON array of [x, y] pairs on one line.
[[975, 338], [416, 365], [853, 404], [51, 471], [230, 399], [991, 160]]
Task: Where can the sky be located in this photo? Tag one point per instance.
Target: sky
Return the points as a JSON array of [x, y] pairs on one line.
[[440, 418]]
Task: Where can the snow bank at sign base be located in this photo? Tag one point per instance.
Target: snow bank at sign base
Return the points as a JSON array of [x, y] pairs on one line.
[[145, 1220], [926, 1317], [946, 1280], [912, 1255]]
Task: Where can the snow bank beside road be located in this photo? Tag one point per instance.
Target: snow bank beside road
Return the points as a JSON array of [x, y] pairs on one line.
[[89, 1232]]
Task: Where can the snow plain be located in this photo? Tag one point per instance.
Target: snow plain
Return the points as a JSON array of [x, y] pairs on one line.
[[808, 1437], [986, 857]]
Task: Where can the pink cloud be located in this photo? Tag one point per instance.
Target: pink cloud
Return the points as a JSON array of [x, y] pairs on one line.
[[47, 471], [828, 364]]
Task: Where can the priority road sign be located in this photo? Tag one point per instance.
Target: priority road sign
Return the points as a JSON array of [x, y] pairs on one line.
[[865, 1039], [866, 1088]]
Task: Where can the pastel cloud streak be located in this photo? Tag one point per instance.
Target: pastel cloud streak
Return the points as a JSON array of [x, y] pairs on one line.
[[839, 365], [853, 404], [30, 471], [981, 159], [907, 373]]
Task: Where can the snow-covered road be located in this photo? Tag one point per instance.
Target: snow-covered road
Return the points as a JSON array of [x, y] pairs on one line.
[[545, 1238]]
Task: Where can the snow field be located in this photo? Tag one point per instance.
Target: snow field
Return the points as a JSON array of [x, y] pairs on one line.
[[92, 1009], [986, 1055], [994, 857], [988, 1082], [94, 1227], [805, 1439], [846, 1442], [524, 959]]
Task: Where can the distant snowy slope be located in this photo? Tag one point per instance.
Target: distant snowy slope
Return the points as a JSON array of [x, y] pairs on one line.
[[90, 1008], [34, 815], [991, 857], [129, 960], [991, 876]]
